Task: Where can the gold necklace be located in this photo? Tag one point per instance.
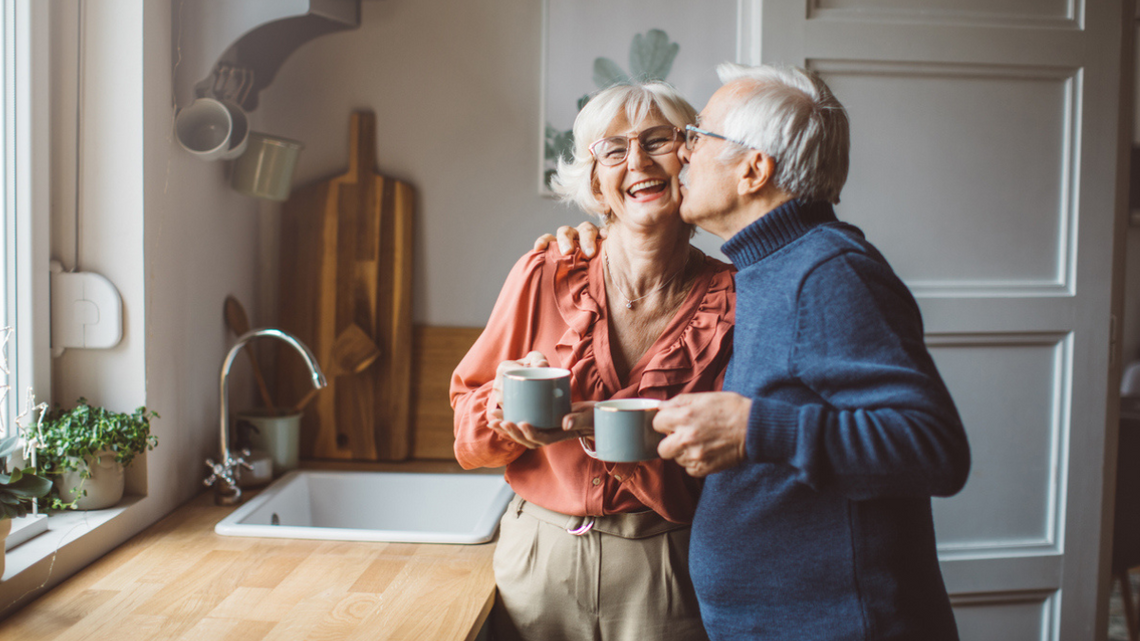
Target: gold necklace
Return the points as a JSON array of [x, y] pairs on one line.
[[628, 301]]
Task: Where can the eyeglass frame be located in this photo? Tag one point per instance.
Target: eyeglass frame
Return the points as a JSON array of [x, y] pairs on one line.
[[629, 142], [691, 141]]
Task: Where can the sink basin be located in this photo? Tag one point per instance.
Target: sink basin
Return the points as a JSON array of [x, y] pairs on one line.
[[374, 506]]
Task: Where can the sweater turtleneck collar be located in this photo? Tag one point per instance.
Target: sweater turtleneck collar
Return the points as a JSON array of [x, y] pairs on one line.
[[776, 229]]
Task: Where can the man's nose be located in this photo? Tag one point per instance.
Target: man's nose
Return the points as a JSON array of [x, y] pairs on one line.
[[683, 154]]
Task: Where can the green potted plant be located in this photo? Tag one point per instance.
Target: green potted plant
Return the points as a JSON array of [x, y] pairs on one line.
[[18, 490], [85, 449]]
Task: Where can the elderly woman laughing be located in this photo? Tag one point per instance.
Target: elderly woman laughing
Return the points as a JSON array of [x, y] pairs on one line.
[[590, 549]]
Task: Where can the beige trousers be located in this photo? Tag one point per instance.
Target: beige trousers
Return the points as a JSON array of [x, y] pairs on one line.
[[626, 578]]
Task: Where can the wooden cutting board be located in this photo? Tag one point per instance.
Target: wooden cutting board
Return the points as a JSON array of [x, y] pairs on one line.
[[346, 258]]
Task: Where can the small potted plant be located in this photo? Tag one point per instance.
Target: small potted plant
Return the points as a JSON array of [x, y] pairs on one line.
[[18, 490], [84, 451]]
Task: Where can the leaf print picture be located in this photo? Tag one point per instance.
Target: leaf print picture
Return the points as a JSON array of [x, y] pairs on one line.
[[593, 44]]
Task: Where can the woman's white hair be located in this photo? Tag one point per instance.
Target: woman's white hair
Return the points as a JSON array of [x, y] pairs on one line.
[[575, 180], [791, 115]]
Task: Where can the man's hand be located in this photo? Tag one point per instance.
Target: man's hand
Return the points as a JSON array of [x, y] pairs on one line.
[[584, 236], [705, 432]]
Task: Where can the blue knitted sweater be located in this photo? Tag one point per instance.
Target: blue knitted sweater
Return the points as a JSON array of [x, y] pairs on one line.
[[825, 531]]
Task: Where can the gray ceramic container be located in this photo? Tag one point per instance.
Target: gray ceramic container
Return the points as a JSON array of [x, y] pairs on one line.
[[539, 396], [623, 430]]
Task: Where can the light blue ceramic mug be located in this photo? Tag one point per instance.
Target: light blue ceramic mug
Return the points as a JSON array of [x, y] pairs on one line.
[[623, 430], [539, 396]]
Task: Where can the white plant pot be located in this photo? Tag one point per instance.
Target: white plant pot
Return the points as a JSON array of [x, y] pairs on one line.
[[5, 528], [104, 488]]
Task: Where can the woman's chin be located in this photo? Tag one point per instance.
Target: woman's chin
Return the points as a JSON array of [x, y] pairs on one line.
[[657, 217]]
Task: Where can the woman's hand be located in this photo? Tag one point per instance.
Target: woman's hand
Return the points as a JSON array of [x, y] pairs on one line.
[[579, 422], [533, 359]]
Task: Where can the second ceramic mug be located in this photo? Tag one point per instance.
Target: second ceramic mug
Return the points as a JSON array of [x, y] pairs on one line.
[[539, 396], [623, 430]]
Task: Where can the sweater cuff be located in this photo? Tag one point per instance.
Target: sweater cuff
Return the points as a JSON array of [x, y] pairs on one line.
[[772, 431]]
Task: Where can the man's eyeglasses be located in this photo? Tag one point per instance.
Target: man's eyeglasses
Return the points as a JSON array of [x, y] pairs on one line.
[[655, 141], [693, 134]]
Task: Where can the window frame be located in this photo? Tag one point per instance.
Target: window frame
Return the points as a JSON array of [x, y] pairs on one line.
[[27, 180]]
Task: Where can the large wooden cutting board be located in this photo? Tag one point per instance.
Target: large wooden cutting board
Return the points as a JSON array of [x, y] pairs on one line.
[[346, 257]]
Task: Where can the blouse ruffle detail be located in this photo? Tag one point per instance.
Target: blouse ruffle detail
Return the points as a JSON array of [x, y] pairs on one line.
[[579, 311], [706, 335], [708, 332]]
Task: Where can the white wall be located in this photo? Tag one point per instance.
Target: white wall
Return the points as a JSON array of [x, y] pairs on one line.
[[455, 89]]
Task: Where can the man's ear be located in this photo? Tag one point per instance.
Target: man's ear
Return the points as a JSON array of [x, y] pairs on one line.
[[759, 171]]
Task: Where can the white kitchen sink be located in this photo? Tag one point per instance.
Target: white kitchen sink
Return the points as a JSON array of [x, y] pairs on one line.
[[374, 506]]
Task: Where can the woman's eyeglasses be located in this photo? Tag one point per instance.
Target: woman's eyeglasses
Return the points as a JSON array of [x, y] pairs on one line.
[[655, 141]]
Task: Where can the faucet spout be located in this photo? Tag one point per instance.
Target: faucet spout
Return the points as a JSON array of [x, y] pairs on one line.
[[226, 474]]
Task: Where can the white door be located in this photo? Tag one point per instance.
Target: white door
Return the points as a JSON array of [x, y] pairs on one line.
[[985, 145]]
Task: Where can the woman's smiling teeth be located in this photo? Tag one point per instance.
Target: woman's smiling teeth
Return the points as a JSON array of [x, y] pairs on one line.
[[646, 187]]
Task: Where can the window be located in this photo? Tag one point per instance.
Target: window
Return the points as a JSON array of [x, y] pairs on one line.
[[23, 190]]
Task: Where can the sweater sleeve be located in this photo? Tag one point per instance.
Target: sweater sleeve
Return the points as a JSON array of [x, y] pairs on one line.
[[884, 424], [509, 335]]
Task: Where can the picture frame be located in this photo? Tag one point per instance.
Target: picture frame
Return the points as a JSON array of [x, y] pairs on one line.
[[590, 44]]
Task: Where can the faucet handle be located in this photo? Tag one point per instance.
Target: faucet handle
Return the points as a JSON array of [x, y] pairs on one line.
[[241, 460], [217, 471]]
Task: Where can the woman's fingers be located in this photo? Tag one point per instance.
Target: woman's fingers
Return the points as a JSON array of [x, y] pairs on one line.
[[535, 359], [513, 432], [580, 420], [544, 437]]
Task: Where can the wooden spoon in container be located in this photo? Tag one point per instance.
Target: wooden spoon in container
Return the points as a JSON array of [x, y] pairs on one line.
[[352, 352], [238, 323]]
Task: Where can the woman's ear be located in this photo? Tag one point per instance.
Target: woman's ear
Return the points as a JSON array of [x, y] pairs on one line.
[[759, 172], [596, 189]]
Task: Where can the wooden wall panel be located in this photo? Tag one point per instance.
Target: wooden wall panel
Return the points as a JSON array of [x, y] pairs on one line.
[[435, 353]]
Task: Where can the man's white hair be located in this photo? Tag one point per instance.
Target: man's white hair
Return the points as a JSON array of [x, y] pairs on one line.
[[791, 115]]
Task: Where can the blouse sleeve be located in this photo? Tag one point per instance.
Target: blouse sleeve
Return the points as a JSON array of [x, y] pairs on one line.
[[509, 335]]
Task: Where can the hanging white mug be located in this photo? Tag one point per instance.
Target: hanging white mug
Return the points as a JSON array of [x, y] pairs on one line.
[[204, 129]]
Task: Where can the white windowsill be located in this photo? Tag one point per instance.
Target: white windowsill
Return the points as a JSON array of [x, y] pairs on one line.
[[63, 528], [25, 528]]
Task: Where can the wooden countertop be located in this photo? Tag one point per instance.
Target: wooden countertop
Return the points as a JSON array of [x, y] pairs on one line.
[[178, 580]]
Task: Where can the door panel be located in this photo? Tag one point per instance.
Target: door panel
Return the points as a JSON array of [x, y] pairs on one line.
[[1012, 617], [1015, 158], [1010, 501], [981, 11]]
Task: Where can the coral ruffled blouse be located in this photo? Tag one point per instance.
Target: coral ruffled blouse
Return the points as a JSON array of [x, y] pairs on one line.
[[557, 305]]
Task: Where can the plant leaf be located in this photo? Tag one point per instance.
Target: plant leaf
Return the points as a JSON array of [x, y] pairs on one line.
[[559, 144], [8, 445], [607, 72], [651, 55], [28, 486]]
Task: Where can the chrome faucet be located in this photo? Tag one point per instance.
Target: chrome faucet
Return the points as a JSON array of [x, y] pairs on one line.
[[224, 476]]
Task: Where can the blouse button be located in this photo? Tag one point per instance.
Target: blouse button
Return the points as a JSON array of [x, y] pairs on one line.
[[617, 476], [597, 480]]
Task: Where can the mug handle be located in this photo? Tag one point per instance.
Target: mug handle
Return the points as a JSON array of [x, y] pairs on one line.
[[591, 452]]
